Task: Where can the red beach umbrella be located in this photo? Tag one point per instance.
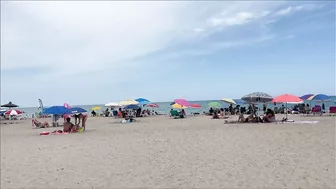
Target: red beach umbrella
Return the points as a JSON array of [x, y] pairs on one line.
[[13, 112], [196, 106], [153, 105], [287, 98]]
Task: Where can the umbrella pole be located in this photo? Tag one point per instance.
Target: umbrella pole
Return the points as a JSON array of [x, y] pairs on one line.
[[286, 110]]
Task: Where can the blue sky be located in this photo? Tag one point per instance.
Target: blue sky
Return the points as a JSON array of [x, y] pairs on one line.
[[58, 52]]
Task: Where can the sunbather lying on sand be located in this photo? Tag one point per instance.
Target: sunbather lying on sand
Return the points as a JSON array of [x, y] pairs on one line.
[[39, 124], [269, 117]]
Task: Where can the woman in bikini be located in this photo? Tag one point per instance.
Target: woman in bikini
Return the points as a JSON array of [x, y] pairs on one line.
[[82, 119]]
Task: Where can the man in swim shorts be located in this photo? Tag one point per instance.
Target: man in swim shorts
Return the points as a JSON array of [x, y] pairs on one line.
[[82, 119]]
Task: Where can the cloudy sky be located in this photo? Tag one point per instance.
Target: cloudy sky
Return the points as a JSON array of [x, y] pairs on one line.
[[86, 52]]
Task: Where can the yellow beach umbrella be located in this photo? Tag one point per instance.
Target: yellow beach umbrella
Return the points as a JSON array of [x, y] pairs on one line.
[[228, 100], [177, 106], [96, 108], [128, 102]]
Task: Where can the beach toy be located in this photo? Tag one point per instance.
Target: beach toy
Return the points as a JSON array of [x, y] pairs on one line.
[[45, 133], [80, 130]]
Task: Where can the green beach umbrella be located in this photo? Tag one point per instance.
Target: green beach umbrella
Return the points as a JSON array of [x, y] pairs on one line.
[[214, 104]]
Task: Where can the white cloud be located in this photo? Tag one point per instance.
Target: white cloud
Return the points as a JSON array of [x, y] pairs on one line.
[[97, 40], [293, 9]]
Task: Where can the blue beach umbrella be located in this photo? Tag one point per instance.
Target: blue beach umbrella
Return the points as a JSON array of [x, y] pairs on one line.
[[142, 101], [131, 107], [239, 101], [57, 110], [75, 110], [319, 97]]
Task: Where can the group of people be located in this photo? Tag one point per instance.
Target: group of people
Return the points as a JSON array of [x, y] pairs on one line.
[[68, 126]]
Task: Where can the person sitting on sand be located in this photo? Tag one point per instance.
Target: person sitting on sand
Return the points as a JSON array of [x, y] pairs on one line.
[[68, 126], [215, 115], [269, 117]]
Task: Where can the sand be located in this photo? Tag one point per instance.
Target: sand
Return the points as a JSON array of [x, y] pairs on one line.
[[160, 152]]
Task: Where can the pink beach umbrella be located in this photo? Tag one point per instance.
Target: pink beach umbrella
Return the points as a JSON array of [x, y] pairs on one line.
[[182, 102]]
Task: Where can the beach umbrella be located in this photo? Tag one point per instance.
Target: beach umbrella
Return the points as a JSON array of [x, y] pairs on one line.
[[153, 105], [305, 97], [196, 106], [229, 100], [2, 111], [142, 101], [257, 97], [214, 104], [178, 106], [319, 97], [76, 110], [128, 102], [131, 107], [13, 112], [287, 98], [10, 105], [182, 102], [96, 108], [57, 110], [240, 101], [113, 104]]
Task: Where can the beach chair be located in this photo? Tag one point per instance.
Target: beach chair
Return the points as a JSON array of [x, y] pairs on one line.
[[175, 114], [317, 109], [332, 110]]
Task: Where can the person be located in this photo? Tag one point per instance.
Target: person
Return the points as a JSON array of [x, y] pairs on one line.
[[68, 126], [82, 118], [120, 113], [241, 118], [182, 114], [215, 115], [211, 111], [93, 113], [323, 107], [221, 113], [264, 107], [270, 116]]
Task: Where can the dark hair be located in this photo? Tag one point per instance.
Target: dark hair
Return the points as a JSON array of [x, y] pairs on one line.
[[68, 119]]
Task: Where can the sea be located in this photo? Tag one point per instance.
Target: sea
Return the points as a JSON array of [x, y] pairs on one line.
[[165, 107]]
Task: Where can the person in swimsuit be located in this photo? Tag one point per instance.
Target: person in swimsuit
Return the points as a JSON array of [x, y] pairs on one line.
[[82, 119], [68, 126]]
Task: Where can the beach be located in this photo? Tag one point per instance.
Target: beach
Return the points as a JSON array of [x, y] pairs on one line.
[[161, 152]]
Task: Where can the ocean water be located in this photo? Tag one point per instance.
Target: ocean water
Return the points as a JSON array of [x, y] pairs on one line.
[[165, 106]]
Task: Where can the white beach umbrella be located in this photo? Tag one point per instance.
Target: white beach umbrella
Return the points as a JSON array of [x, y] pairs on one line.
[[113, 104]]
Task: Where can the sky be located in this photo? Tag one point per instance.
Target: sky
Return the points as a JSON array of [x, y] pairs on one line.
[[88, 52]]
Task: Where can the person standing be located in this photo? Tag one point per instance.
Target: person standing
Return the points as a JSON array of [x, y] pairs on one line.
[[264, 107]]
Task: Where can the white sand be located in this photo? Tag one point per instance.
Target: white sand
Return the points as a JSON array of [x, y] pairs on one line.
[[161, 152]]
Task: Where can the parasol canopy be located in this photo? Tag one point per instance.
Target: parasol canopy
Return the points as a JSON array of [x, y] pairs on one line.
[[229, 100], [182, 102], [113, 104], [287, 98], [257, 97], [57, 110], [178, 106], [319, 97], [305, 97], [13, 112], [96, 108], [214, 104], [196, 106], [131, 107], [153, 105], [10, 105], [128, 102], [76, 110]]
